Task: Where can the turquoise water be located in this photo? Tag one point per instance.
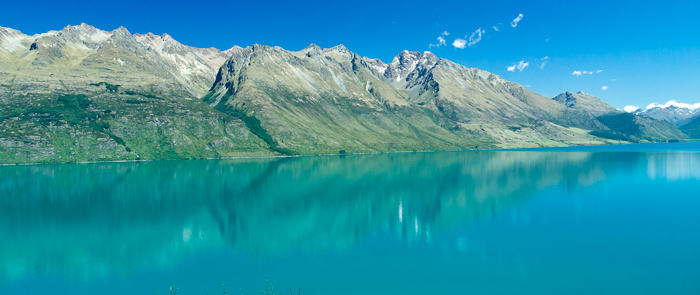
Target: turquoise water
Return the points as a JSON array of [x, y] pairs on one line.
[[602, 220]]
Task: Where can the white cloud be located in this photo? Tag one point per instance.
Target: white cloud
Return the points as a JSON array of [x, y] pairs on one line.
[[476, 37], [495, 28], [604, 87], [598, 71], [675, 104], [613, 80], [544, 61], [459, 43], [521, 65], [515, 22], [579, 73], [441, 40], [546, 40], [631, 108]]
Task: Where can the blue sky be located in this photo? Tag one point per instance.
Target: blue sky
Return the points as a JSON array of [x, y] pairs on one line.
[[644, 52]]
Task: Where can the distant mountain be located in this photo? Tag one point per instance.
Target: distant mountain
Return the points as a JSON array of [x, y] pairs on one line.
[[83, 94], [636, 128], [692, 127], [620, 125], [676, 113]]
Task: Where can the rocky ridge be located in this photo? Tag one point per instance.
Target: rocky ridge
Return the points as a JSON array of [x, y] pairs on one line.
[[83, 94]]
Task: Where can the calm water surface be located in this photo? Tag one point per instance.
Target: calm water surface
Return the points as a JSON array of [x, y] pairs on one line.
[[603, 220]]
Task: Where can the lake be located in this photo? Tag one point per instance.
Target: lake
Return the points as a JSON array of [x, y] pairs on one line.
[[589, 220]]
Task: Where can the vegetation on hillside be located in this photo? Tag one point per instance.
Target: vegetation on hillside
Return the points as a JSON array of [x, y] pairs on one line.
[[692, 128], [115, 125], [634, 128]]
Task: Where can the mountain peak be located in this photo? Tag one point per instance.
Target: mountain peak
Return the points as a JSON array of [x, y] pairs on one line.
[[406, 62], [584, 101], [312, 46], [121, 33], [312, 50], [340, 48], [233, 50], [259, 47], [85, 26], [339, 53], [85, 33]]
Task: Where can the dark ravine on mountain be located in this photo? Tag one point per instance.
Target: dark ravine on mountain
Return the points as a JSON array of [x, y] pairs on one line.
[[83, 94]]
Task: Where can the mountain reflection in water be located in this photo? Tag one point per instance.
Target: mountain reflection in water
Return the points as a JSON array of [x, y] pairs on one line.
[[86, 220]]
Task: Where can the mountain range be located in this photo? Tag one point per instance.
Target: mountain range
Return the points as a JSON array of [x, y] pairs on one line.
[[678, 114], [83, 94]]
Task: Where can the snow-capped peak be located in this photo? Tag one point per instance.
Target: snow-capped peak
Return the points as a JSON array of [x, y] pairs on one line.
[[676, 104]]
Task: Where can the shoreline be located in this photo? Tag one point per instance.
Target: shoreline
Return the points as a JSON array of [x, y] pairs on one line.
[[533, 149]]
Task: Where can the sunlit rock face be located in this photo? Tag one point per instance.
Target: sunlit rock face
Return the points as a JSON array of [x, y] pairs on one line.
[[75, 56]]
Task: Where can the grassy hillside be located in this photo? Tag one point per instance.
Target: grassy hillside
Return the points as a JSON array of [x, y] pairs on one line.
[[692, 128], [631, 127], [118, 125]]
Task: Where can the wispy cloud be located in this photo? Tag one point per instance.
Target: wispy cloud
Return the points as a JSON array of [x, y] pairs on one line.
[[604, 88], [675, 104], [631, 108], [515, 21], [476, 37], [441, 40], [579, 73], [543, 61], [521, 65], [459, 43]]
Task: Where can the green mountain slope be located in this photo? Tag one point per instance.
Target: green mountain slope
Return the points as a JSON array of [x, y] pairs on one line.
[[635, 128], [326, 100], [692, 128], [585, 102], [81, 94]]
